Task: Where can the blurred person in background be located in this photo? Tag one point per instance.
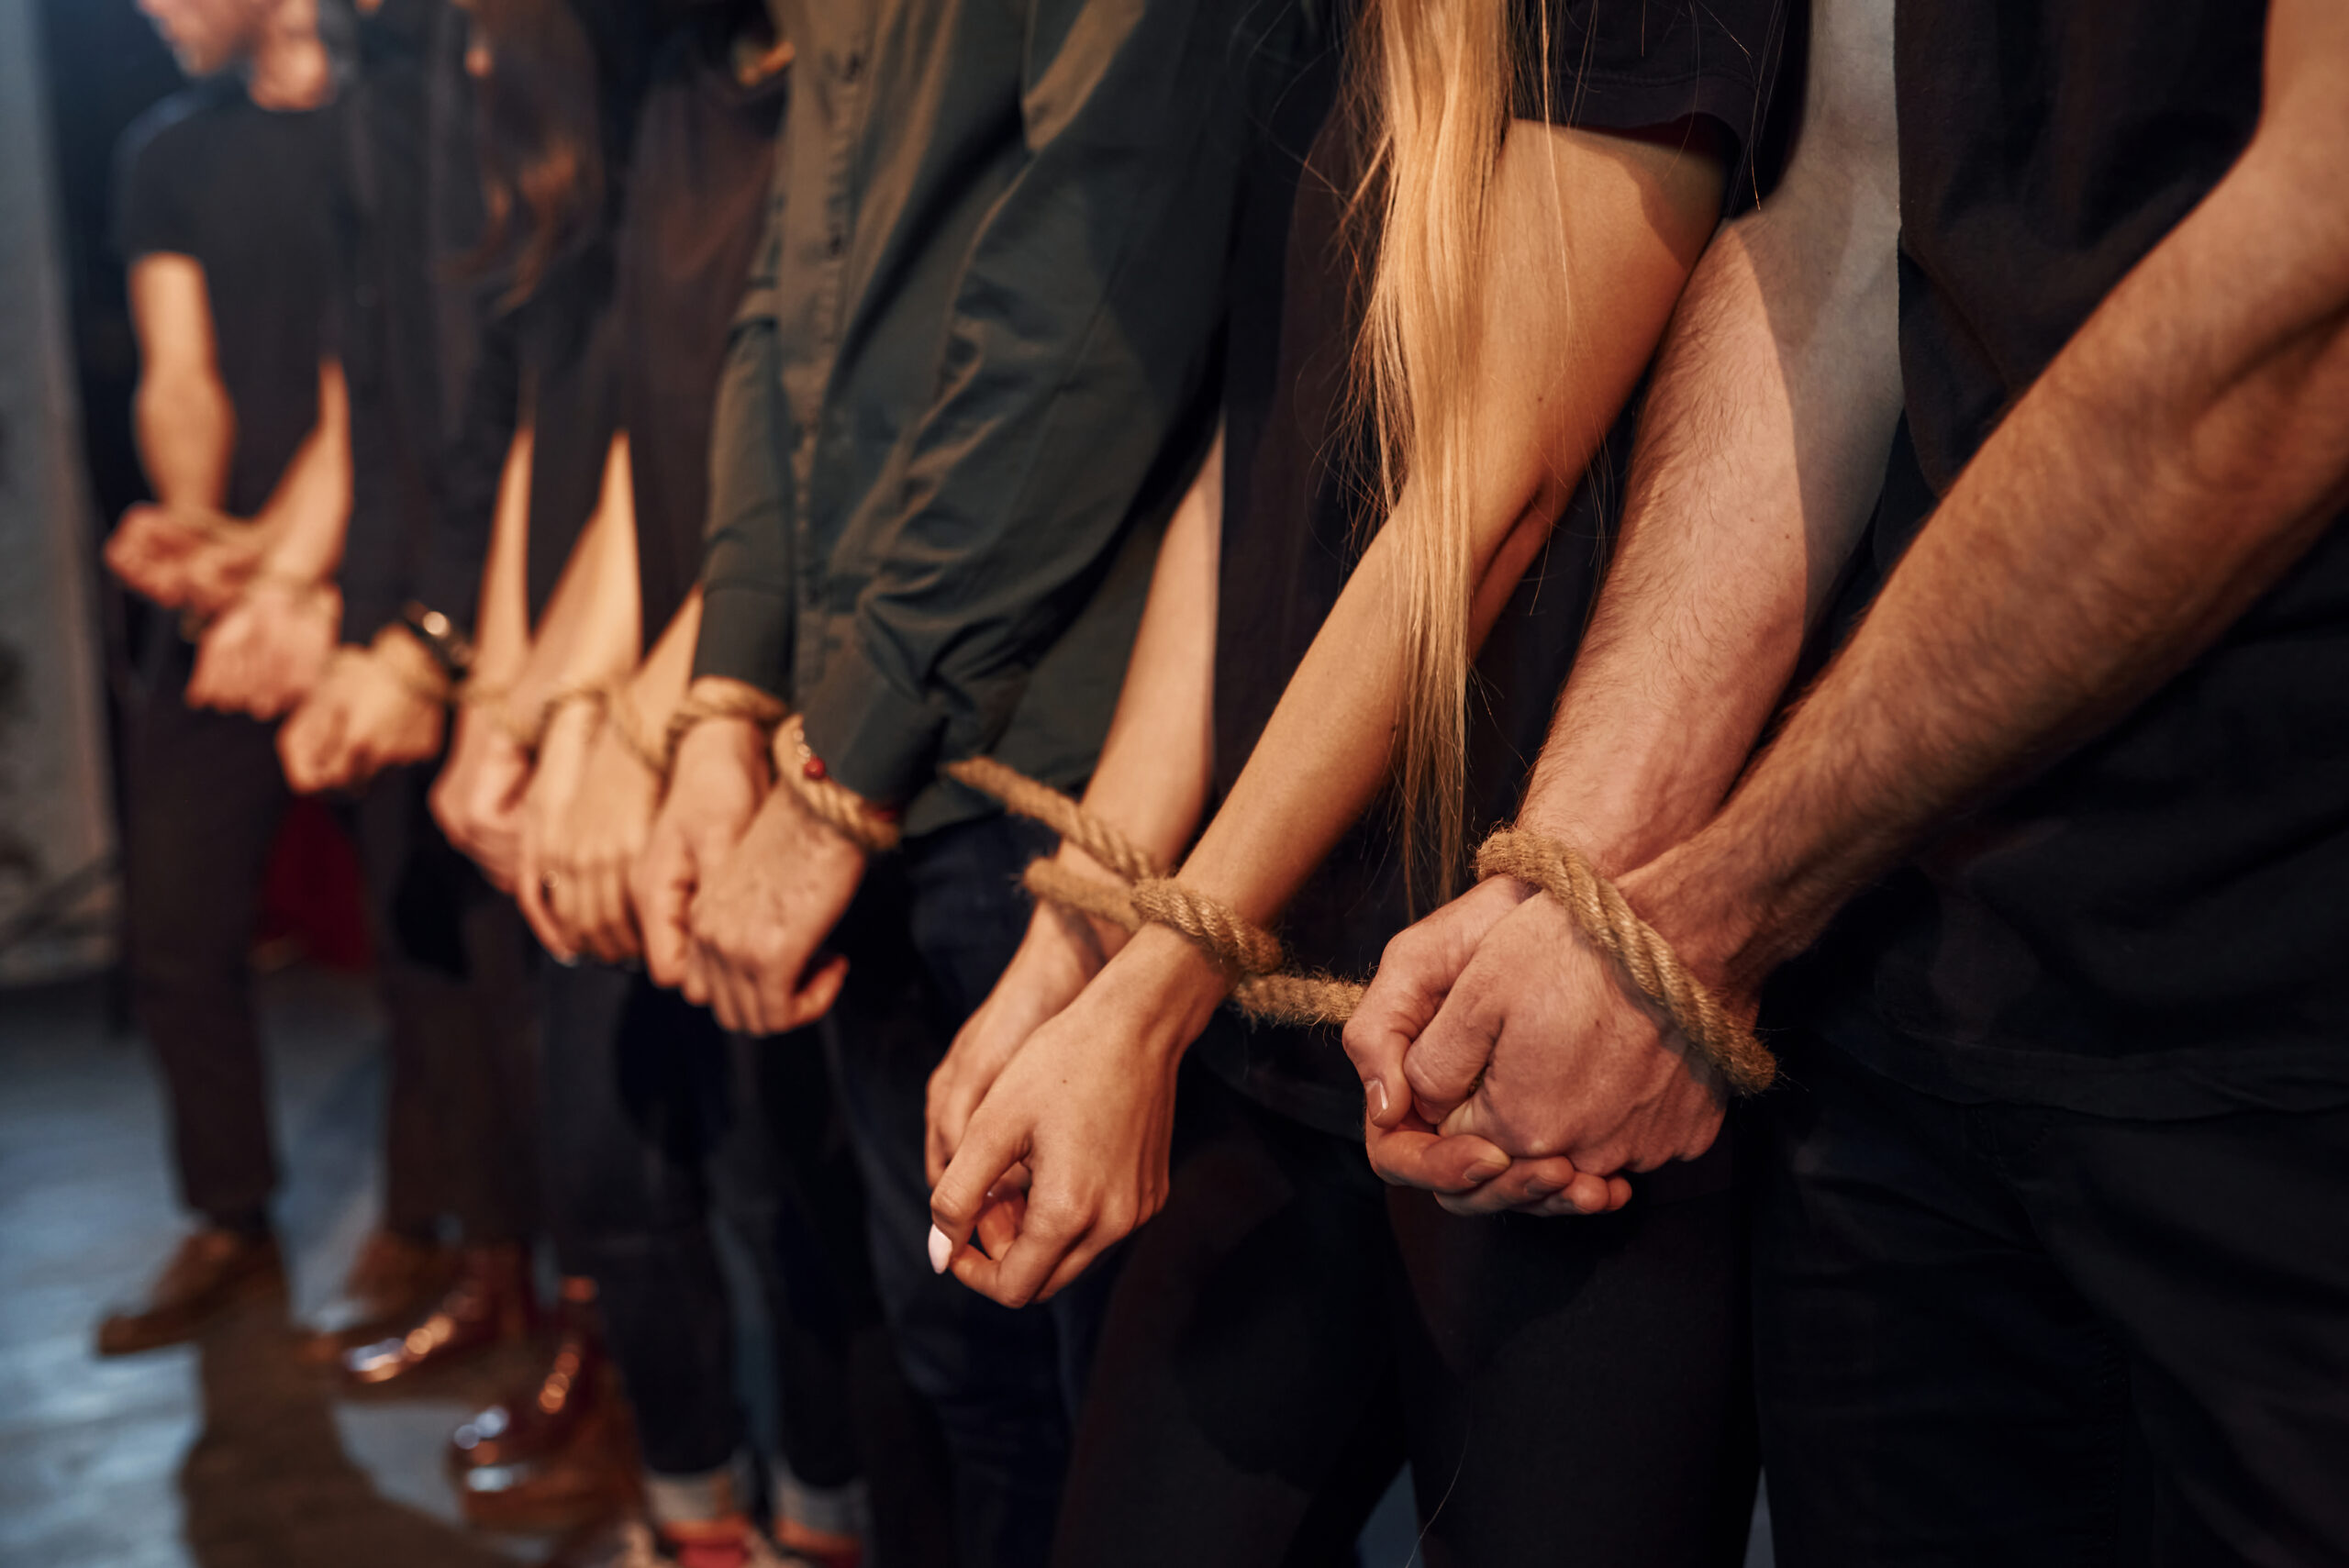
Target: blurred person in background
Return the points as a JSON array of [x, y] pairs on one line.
[[232, 206], [651, 1114], [951, 430]]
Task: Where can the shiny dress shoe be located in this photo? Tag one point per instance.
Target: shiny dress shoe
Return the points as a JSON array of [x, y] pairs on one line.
[[396, 1282], [538, 1420], [489, 1304], [212, 1270]]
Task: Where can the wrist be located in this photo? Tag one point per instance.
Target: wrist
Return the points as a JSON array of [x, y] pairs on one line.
[[1167, 983], [396, 651], [1704, 904]]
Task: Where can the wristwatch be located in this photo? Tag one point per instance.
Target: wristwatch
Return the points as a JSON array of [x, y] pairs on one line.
[[450, 649]]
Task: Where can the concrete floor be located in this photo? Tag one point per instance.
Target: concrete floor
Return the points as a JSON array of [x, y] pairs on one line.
[[227, 1453], [224, 1454]]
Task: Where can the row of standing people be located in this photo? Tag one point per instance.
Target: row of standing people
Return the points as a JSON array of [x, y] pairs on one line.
[[1316, 432]]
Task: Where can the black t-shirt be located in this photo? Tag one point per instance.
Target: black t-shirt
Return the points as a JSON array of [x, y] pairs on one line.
[[1297, 477], [251, 195], [2157, 926], [698, 205], [390, 305]]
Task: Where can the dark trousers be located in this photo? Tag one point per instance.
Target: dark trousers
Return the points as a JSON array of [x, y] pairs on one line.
[[655, 1118], [2001, 1333], [1289, 1331], [206, 795], [927, 936]]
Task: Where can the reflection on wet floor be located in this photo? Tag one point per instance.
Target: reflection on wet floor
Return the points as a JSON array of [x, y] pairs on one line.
[[228, 1452]]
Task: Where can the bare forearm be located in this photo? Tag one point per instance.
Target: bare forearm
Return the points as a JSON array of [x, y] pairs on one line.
[[502, 642], [1760, 453], [659, 684], [2186, 448], [308, 514], [1555, 370], [187, 432], [591, 632], [1152, 781]]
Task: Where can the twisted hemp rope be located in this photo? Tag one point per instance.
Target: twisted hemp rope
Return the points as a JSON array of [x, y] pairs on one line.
[[1269, 990]]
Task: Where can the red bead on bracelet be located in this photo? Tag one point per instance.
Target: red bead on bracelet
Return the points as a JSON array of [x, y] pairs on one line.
[[813, 767]]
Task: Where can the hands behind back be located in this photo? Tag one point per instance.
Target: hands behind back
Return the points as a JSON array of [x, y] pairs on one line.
[[361, 718], [593, 850], [1059, 954], [1086, 1107], [477, 799], [265, 653], [1495, 1024]]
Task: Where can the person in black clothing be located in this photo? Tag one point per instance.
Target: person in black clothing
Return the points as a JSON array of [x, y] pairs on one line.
[[1286, 1334], [229, 196], [653, 1116], [2052, 1259]]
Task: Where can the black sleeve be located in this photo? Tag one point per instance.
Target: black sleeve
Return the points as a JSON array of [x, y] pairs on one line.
[[1607, 65], [154, 185]]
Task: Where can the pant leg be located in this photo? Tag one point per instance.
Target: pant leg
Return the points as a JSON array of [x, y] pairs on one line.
[[785, 1179], [929, 933], [205, 795], [2218, 1250], [1244, 1407], [1578, 1391], [1932, 1390], [629, 1125]]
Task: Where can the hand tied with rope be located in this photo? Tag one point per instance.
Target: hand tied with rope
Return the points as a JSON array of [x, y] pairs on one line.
[[1268, 989]]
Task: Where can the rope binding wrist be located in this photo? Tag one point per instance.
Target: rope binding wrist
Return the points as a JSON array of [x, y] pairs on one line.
[[871, 828], [626, 726], [1269, 990], [745, 703]]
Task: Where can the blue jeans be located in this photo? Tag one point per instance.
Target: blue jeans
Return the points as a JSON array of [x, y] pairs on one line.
[[929, 934]]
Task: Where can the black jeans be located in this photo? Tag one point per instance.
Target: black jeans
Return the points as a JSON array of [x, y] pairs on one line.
[[1289, 1331], [2001, 1333], [206, 795], [654, 1117], [929, 934]]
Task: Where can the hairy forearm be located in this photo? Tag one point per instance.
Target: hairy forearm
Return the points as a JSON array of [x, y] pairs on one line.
[[2184, 449], [1759, 457]]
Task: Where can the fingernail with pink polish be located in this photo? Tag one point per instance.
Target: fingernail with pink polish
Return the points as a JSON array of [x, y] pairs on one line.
[[941, 1250]]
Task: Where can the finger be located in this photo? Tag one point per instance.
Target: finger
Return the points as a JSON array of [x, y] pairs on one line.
[[663, 888], [992, 1148], [530, 892], [1447, 1062], [1526, 1185], [814, 997], [1033, 1257], [999, 1221], [1098, 1240], [1402, 998], [1412, 1156]]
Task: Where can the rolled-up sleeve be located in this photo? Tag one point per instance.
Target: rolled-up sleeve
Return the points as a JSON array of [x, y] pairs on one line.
[[1080, 329]]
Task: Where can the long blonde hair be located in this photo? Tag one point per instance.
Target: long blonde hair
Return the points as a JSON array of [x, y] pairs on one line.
[[1431, 91]]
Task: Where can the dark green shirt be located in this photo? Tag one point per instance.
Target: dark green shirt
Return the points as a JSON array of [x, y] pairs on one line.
[[970, 369]]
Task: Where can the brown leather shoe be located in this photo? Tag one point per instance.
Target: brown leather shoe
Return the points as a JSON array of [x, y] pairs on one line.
[[489, 1304], [395, 1282], [211, 1271], [590, 1479], [544, 1418]]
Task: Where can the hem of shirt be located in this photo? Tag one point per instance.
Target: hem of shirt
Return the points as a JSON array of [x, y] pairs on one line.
[[2168, 1085]]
